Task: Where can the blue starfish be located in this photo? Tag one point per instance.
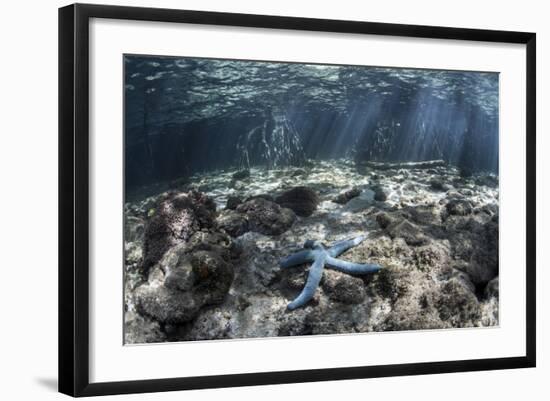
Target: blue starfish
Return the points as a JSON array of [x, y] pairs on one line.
[[315, 252]]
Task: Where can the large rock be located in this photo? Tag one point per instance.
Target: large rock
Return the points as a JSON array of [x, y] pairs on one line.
[[259, 264], [419, 303], [457, 305], [380, 194], [233, 223], [176, 218], [406, 291], [183, 282], [458, 207], [475, 247], [437, 184], [485, 257], [346, 196], [423, 215], [266, 217], [302, 200], [433, 256], [241, 175]]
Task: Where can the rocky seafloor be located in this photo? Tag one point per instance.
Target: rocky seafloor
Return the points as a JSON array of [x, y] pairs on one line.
[[202, 258]]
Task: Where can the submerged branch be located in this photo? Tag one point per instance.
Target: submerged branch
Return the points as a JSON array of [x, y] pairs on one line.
[[406, 165]]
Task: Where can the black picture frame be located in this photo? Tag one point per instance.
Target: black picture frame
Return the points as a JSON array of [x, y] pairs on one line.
[[74, 200]]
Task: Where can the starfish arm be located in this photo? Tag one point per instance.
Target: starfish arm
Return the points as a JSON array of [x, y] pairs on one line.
[[313, 279], [298, 258], [341, 246], [352, 268]]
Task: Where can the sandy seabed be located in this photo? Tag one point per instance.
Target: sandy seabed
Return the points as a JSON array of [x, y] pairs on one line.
[[202, 259]]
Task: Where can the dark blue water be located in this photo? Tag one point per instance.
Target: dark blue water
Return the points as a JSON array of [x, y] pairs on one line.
[[186, 115]]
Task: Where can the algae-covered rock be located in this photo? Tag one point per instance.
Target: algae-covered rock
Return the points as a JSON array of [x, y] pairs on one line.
[[457, 304], [233, 223], [266, 217], [241, 174], [475, 247], [175, 219], [183, 283], [459, 207], [302, 200], [345, 197], [380, 194]]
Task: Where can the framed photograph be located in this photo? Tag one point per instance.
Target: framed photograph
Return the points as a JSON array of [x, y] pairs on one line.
[[251, 199]]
